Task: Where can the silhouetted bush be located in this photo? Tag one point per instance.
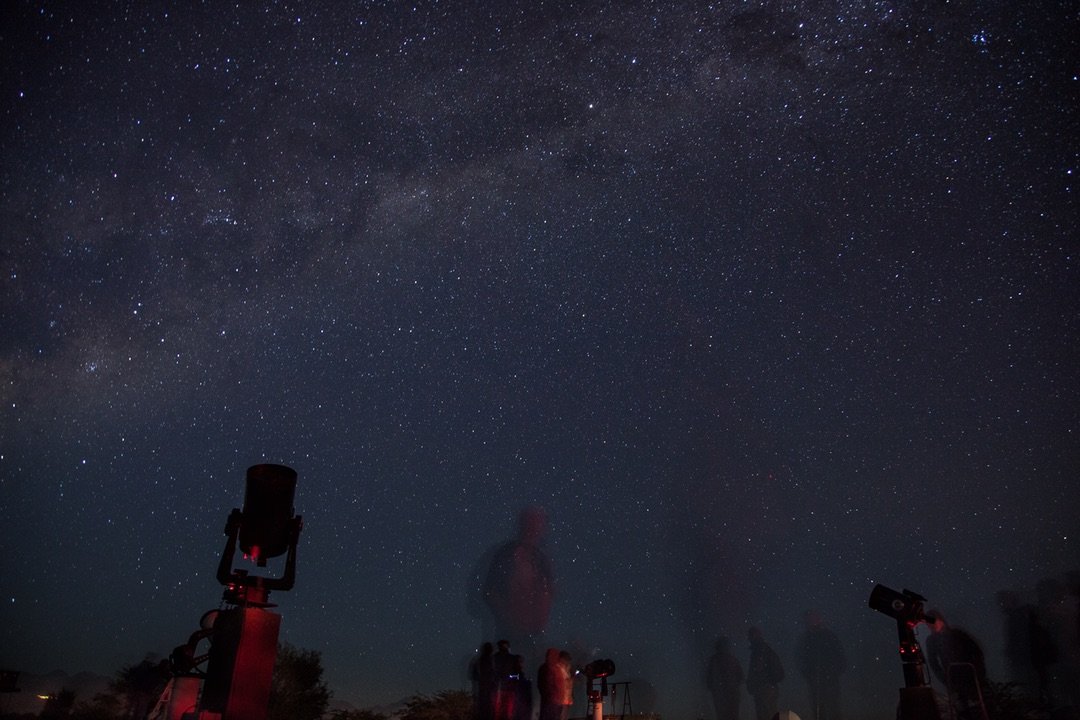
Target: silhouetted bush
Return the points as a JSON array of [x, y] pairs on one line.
[[356, 715], [447, 705], [298, 691], [1007, 701]]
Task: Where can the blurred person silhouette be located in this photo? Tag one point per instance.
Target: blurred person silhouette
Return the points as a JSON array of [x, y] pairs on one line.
[[763, 675], [1018, 627], [521, 688], [1044, 656], [507, 672], [568, 667], [821, 662], [555, 685], [482, 675], [1072, 586], [1048, 634], [1058, 614], [519, 588], [724, 679], [957, 661], [1071, 641]]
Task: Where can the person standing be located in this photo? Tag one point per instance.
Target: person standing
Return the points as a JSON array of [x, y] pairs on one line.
[[763, 676], [1018, 620], [724, 678], [555, 686], [519, 588], [505, 671], [482, 674], [957, 661], [567, 664], [821, 661]]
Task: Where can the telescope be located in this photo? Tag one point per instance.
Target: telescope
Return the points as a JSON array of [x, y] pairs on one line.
[[906, 607], [239, 663], [265, 528], [598, 670], [267, 525]]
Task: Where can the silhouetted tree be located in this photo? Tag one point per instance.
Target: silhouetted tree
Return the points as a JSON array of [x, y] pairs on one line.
[[447, 705], [130, 695], [298, 691], [140, 685]]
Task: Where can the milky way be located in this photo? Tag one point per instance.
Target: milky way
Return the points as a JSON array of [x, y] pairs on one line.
[[763, 303]]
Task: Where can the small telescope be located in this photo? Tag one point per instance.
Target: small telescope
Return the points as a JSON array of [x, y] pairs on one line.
[[265, 528], [906, 607], [598, 670]]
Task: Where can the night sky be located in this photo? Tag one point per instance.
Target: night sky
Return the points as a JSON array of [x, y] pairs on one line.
[[764, 303]]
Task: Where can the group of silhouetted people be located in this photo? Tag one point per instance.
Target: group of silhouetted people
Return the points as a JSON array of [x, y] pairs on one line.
[[1042, 642], [1041, 652], [503, 691], [517, 590], [514, 591], [821, 661]]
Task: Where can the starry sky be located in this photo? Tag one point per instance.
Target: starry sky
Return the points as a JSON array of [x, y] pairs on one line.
[[763, 302]]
